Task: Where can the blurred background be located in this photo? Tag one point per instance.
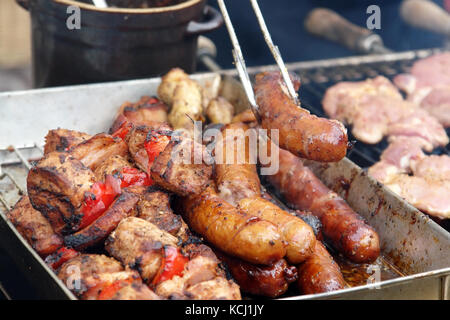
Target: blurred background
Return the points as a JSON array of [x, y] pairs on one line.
[[284, 19]]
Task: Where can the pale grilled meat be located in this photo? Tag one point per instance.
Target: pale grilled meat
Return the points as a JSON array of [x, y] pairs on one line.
[[56, 187], [147, 111], [33, 226], [62, 139], [94, 151], [184, 167]]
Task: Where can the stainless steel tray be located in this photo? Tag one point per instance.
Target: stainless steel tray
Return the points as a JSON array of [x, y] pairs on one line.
[[410, 241]]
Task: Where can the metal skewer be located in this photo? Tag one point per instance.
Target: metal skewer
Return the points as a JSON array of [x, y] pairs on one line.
[[240, 62]]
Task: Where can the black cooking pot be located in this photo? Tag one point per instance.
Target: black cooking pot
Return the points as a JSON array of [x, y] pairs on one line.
[[113, 43]]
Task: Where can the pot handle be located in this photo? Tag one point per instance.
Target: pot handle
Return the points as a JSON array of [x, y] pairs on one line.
[[213, 21], [24, 4]]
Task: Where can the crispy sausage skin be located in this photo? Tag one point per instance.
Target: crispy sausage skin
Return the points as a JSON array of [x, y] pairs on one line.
[[303, 134], [56, 187], [247, 237], [298, 235], [269, 281], [320, 273], [236, 179], [98, 230], [343, 227], [33, 226]]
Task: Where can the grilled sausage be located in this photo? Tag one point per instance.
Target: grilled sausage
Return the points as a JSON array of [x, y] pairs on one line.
[[298, 235], [303, 134], [56, 187], [63, 139], [33, 226], [247, 237], [98, 230], [236, 179], [320, 273], [94, 151], [269, 281], [343, 227]]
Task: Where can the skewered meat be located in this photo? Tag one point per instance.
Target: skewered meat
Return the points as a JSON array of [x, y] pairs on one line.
[[33, 226], [94, 151], [269, 281], [346, 230], [62, 139], [235, 168], [320, 273], [247, 237], [428, 85], [184, 97], [298, 235], [56, 187], [183, 167], [111, 166], [99, 229], [303, 134], [375, 108], [136, 140], [146, 111], [219, 110]]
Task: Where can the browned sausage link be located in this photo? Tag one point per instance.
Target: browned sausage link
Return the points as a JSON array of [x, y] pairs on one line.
[[320, 273], [249, 238], [238, 178], [98, 230], [300, 132], [343, 227], [269, 281], [298, 235]]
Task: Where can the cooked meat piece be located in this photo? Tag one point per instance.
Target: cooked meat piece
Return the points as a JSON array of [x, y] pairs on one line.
[[57, 186], [200, 272], [235, 163], [433, 167], [320, 273], [139, 244], [402, 150], [183, 167], [219, 110], [111, 166], [122, 207], [299, 236], [238, 234], [146, 111], [428, 85], [134, 291], [184, 97], [298, 131], [154, 207], [62, 139], [136, 139], [269, 281], [93, 152], [375, 108], [343, 227], [311, 220], [81, 273], [33, 226]]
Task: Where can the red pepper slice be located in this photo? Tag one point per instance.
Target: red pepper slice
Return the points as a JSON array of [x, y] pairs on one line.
[[172, 264], [63, 254], [99, 199], [123, 130], [155, 145], [134, 177], [110, 289]]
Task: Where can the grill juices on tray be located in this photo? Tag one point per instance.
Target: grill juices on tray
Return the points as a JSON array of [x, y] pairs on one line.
[[174, 219]]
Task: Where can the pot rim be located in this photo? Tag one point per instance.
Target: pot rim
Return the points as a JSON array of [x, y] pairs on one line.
[[91, 7]]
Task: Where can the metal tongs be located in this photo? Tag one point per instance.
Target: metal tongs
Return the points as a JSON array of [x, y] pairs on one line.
[[240, 62]]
